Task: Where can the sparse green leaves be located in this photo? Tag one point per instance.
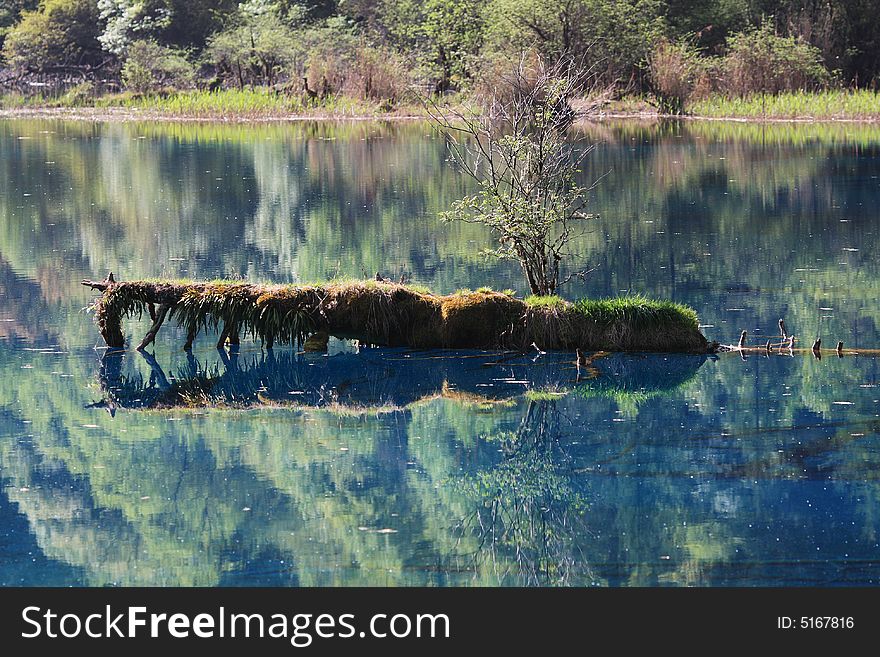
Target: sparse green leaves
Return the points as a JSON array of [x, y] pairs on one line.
[[516, 150]]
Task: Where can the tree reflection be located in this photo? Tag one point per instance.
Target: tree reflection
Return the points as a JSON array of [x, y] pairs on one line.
[[531, 517]]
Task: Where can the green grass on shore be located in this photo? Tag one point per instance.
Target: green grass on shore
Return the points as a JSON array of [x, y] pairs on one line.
[[859, 104], [223, 104], [261, 103]]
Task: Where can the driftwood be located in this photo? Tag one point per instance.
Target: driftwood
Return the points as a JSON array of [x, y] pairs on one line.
[[386, 314], [786, 346]]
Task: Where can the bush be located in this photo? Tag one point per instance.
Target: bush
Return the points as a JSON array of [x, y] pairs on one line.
[[674, 72], [150, 67], [79, 95], [358, 70], [760, 61]]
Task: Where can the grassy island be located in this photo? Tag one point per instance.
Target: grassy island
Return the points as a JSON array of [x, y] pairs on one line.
[[390, 314]]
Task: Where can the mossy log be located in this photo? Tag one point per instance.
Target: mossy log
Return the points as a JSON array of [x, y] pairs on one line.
[[390, 314]]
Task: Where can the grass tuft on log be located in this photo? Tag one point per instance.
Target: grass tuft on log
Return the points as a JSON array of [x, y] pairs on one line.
[[390, 314]]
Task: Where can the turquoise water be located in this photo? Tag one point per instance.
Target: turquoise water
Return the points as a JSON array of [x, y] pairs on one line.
[[396, 467]]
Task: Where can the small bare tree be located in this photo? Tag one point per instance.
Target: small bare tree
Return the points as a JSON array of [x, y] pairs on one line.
[[514, 145]]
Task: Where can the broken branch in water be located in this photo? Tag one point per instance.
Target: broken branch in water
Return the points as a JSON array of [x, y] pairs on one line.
[[787, 343]]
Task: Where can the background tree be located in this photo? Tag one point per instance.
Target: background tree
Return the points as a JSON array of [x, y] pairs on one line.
[[515, 148], [10, 14], [151, 67], [444, 35], [622, 31], [62, 33], [257, 46], [176, 23]]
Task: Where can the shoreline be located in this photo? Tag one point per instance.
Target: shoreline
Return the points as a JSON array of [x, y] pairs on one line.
[[129, 115]]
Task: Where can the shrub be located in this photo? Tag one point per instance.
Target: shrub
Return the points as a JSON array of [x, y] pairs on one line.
[[150, 67], [675, 70], [79, 95], [760, 61], [353, 67]]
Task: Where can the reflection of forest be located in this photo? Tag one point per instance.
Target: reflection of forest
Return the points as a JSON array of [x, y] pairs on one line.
[[538, 490], [599, 485], [702, 213]]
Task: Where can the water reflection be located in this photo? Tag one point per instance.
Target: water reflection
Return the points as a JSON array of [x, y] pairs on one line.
[[393, 467], [379, 379], [531, 518], [746, 223]]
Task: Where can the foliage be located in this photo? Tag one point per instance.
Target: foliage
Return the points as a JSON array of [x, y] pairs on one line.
[[761, 61], [177, 23], [677, 50], [60, 33], [256, 48], [128, 20], [150, 67], [516, 151], [443, 36], [613, 36], [342, 62], [10, 14], [79, 95]]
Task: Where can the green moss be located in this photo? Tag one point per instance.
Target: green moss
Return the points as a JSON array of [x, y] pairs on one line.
[[639, 313], [550, 301]]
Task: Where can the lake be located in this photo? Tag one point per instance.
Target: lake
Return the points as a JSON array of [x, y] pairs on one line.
[[399, 467]]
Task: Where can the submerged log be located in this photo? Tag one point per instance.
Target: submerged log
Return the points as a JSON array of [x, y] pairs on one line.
[[390, 314]]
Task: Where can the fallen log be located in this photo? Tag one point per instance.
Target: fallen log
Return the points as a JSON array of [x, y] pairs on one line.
[[391, 314]]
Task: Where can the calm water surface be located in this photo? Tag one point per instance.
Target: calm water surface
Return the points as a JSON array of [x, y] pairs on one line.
[[395, 467]]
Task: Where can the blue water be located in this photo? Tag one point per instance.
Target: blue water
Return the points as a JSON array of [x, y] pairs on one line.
[[398, 467]]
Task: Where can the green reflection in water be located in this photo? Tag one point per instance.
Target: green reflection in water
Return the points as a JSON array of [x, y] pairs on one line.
[[755, 472]]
